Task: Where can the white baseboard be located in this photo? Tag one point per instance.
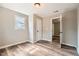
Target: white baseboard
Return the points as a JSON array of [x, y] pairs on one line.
[[12, 44]]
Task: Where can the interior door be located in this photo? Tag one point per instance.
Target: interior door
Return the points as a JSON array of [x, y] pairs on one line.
[[38, 29]]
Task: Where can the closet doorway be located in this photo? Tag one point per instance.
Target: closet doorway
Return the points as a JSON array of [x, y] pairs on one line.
[[57, 33]]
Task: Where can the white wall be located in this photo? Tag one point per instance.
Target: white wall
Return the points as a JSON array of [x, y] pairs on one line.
[[31, 29], [25, 9], [70, 28], [1, 35], [47, 29], [9, 35], [78, 30]]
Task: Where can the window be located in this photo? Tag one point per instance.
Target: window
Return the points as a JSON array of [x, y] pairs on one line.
[[19, 22]]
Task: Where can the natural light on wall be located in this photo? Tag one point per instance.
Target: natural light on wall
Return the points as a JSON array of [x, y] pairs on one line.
[[19, 22]]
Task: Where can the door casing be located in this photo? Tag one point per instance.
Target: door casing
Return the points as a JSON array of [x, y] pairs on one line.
[[61, 29], [37, 18]]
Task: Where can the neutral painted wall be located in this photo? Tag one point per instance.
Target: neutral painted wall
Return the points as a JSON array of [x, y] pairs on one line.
[[70, 28], [78, 30], [1, 33], [31, 28], [25, 9], [47, 29], [8, 32]]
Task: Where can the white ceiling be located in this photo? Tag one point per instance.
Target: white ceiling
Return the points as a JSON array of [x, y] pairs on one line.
[[46, 9]]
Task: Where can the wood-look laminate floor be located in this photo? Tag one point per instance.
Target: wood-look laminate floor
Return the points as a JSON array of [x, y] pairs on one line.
[[40, 48]]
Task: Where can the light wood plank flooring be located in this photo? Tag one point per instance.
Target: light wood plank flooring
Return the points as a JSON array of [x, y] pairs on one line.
[[40, 48]]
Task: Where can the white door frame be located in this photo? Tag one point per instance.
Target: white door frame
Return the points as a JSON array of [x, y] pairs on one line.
[[61, 32]]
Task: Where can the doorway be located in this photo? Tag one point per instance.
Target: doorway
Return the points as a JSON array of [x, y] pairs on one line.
[[57, 31]]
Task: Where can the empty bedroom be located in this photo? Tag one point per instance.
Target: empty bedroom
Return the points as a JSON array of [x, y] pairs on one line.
[[39, 29]]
